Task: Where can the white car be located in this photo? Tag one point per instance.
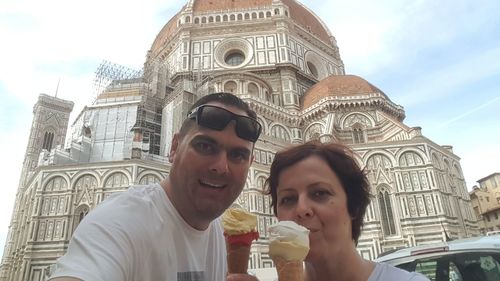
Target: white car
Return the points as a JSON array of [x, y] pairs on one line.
[[471, 259]]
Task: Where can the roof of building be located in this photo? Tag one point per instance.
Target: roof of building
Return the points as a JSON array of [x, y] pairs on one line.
[[297, 12], [339, 85], [487, 177]]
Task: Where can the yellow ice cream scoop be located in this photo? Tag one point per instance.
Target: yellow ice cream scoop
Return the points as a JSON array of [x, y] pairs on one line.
[[238, 221]]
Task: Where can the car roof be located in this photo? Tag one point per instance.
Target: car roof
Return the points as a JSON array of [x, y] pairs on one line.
[[467, 244]]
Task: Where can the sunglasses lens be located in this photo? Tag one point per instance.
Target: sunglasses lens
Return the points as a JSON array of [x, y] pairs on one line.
[[214, 118], [217, 118], [248, 129]]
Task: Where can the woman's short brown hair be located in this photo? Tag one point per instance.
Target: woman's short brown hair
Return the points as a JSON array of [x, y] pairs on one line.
[[341, 160]]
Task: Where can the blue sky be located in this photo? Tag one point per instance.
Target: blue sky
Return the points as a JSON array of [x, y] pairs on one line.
[[438, 59]]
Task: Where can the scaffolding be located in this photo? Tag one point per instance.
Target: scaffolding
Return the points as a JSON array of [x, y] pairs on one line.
[[108, 72]]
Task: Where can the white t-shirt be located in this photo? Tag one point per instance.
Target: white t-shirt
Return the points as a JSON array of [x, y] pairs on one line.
[[138, 235], [387, 272]]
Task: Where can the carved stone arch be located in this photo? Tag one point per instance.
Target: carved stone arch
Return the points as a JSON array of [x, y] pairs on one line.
[[231, 86], [314, 131], [188, 19], [252, 89], [280, 131], [232, 17], [225, 18], [218, 18], [409, 157], [80, 174], [268, 14], [80, 213], [447, 165], [261, 15], [436, 161], [59, 179], [247, 16], [210, 19], [260, 180], [363, 119], [254, 15], [203, 19], [149, 177], [385, 187], [265, 125], [196, 20], [116, 179], [456, 170], [84, 188], [240, 16], [386, 153]]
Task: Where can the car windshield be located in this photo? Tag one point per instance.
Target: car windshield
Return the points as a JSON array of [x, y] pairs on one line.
[[476, 266]]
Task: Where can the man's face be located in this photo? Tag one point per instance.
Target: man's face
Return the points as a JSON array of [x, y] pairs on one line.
[[209, 170]]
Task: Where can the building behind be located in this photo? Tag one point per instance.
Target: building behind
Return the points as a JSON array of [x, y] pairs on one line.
[[279, 57], [485, 200]]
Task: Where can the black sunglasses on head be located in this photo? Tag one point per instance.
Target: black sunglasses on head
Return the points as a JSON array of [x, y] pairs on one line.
[[217, 118]]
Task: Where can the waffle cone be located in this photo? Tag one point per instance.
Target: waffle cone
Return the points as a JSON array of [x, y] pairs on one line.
[[289, 270], [237, 258]]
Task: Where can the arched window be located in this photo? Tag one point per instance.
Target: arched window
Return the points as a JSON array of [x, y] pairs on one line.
[[149, 179], [203, 20], [386, 213], [358, 135], [409, 159], [247, 16], [253, 89], [268, 14], [196, 20], [55, 184], [48, 140], [261, 15], [224, 18], [117, 180], [230, 87], [80, 213], [210, 19], [232, 17], [240, 16]]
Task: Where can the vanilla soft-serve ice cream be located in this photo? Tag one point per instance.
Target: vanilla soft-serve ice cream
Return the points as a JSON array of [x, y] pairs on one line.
[[288, 247], [240, 230]]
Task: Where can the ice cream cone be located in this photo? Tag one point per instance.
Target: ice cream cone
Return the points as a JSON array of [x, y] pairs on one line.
[[237, 257], [289, 270]]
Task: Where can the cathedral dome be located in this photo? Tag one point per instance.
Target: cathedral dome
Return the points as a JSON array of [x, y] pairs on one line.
[[339, 86], [297, 12]]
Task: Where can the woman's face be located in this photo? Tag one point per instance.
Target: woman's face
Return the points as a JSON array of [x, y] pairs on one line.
[[311, 194]]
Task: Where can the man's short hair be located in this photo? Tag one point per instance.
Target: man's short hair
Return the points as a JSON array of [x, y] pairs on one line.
[[223, 98]]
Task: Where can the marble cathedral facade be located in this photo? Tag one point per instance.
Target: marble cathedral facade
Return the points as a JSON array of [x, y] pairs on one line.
[[279, 57]]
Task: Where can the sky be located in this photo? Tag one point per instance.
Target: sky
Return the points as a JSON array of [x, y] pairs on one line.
[[440, 60]]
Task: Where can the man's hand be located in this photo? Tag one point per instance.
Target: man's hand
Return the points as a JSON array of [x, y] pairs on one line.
[[241, 277]]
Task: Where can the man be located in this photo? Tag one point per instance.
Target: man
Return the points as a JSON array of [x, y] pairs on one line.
[[172, 231]]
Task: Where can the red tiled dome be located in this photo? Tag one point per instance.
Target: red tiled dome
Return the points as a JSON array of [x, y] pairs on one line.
[[338, 85], [297, 12]]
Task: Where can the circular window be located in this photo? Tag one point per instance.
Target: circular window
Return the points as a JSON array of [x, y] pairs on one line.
[[312, 69], [234, 58], [233, 53]]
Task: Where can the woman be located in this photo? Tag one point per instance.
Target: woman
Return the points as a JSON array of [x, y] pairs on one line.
[[320, 187]]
